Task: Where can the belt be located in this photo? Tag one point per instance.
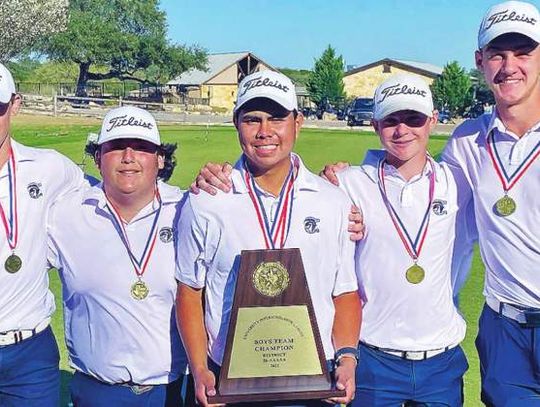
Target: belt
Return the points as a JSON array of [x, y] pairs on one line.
[[411, 354], [13, 337], [137, 389], [529, 317]]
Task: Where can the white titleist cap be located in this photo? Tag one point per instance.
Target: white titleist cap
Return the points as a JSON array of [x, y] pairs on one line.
[[267, 84], [402, 92], [129, 122], [509, 17], [7, 85]]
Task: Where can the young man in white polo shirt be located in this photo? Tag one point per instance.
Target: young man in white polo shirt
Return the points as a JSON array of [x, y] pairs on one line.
[[212, 231], [31, 180], [411, 329], [113, 245], [497, 154]]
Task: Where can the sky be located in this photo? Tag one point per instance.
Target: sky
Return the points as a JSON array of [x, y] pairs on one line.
[[292, 34]]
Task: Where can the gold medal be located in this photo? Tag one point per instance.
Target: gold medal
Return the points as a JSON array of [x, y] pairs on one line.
[[139, 290], [415, 274], [13, 264], [505, 206]]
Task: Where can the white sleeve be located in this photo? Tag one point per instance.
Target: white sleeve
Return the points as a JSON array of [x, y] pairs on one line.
[[346, 280], [190, 263], [53, 255], [466, 236], [73, 177]]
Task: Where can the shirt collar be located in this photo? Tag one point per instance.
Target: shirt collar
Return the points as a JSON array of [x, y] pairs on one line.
[[305, 180], [371, 167], [96, 196], [22, 153], [495, 122]]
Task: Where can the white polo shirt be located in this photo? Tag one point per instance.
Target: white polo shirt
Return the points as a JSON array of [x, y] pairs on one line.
[[109, 334], [398, 314], [510, 246], [42, 176], [213, 231]]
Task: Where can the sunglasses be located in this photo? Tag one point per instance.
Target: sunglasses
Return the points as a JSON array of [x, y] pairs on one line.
[[412, 119]]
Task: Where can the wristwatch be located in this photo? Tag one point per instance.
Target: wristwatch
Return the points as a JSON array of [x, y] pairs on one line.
[[346, 352]]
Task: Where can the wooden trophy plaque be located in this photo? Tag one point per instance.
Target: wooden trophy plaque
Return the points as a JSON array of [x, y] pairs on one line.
[[273, 349]]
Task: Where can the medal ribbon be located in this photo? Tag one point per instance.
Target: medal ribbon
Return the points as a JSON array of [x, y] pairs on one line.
[[413, 247], [138, 264], [11, 224], [508, 181], [275, 235]]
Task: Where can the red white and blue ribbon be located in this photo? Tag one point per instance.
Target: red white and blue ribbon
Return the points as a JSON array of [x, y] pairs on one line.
[[509, 180], [275, 233], [413, 247], [11, 222], [141, 263]]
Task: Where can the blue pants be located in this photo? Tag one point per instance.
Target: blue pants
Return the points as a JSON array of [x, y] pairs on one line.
[[387, 380], [509, 361], [29, 374], [89, 392]]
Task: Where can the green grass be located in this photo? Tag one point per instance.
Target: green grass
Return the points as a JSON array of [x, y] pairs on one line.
[[198, 145]]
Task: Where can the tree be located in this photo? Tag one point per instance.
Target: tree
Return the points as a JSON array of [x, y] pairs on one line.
[[298, 76], [126, 37], [452, 90], [325, 83], [24, 22], [23, 68], [482, 92]]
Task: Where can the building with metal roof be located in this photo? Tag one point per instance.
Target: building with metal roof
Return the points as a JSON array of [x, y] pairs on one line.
[[216, 86], [362, 81]]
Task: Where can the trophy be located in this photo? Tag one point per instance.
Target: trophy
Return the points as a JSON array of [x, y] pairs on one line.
[[273, 349]]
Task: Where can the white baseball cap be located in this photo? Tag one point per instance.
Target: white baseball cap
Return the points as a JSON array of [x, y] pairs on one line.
[[267, 84], [509, 17], [129, 122], [7, 85], [402, 92]]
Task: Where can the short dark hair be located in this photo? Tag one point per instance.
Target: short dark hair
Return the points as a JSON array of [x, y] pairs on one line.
[[166, 150]]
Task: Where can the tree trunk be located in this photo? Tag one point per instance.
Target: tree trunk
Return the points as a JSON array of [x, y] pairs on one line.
[[83, 79]]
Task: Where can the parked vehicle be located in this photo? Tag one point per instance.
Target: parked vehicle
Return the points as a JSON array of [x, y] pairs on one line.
[[361, 110], [444, 116]]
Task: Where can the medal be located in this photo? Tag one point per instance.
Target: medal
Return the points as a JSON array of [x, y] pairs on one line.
[[13, 263], [11, 223], [414, 274], [506, 206], [275, 235], [139, 290]]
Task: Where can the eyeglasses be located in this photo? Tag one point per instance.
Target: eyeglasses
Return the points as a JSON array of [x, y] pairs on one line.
[[413, 119]]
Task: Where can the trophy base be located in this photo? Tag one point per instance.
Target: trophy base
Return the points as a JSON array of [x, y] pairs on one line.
[[298, 395]]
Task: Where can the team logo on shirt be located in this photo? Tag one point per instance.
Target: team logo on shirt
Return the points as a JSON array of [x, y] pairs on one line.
[[310, 225], [166, 234], [34, 190], [439, 207]]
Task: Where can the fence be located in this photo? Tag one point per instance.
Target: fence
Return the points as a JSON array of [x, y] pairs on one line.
[[115, 89]]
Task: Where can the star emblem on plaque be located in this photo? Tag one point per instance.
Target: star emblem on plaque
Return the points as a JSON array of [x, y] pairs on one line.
[[270, 278]]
